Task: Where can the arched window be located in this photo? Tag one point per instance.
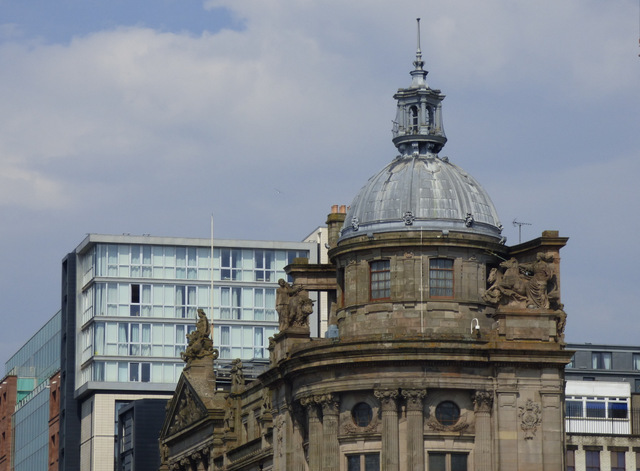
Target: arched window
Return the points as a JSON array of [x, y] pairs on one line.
[[413, 112]]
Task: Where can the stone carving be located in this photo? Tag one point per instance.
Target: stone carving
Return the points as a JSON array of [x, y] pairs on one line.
[[164, 454], [414, 398], [483, 401], [188, 412], [266, 406], [293, 305], [388, 398], [408, 218], [355, 223], [229, 417], [561, 322], [237, 375], [530, 416], [468, 220], [200, 343], [522, 284], [279, 427]]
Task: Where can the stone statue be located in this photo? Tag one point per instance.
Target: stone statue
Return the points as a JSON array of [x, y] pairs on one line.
[[200, 343], [524, 285], [237, 375], [293, 305]]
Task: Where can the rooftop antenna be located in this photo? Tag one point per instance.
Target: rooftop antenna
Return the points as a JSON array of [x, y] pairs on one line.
[[519, 225]]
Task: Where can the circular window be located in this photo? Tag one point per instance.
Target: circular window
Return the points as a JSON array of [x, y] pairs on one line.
[[447, 413], [362, 414]]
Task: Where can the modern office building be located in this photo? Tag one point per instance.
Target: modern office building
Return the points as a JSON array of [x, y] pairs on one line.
[[26, 412], [128, 303], [613, 363], [602, 426]]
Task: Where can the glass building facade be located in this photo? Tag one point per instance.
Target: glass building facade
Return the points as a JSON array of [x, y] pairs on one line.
[[137, 298], [33, 365]]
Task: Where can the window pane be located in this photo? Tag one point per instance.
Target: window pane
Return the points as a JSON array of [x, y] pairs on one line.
[[617, 410], [372, 462], [596, 409], [458, 462], [574, 408], [353, 463], [437, 462]]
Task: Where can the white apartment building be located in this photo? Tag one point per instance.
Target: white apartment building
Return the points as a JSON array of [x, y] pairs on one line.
[[128, 303]]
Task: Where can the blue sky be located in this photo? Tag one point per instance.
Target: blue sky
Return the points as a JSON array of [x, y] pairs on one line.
[[148, 116]]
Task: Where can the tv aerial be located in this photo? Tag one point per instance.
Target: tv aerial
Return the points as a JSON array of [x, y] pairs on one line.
[[519, 225]]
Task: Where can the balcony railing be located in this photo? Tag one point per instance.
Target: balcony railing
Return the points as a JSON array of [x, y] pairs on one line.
[[605, 426]]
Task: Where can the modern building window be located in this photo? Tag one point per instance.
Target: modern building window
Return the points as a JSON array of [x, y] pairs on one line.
[[601, 360], [597, 407], [592, 460], [637, 460], [265, 268], [618, 461], [441, 278], [572, 362], [362, 414], [439, 461], [447, 413], [363, 462], [636, 361], [246, 342], [380, 271], [571, 460]]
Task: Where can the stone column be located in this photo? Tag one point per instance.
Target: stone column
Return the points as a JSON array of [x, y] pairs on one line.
[[483, 403], [330, 446], [315, 432], [415, 428], [390, 447]]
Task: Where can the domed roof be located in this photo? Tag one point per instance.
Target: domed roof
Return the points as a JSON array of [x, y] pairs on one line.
[[418, 192]]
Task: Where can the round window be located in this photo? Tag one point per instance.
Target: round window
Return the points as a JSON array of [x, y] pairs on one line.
[[362, 414], [447, 413]]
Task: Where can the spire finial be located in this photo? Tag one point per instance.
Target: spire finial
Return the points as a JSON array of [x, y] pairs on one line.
[[418, 63]]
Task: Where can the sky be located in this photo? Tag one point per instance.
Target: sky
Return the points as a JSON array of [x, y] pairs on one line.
[[149, 116]]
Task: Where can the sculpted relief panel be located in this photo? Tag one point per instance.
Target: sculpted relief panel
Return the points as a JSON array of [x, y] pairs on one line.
[[531, 285]]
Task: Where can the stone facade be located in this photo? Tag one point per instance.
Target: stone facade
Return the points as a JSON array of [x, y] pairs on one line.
[[445, 348]]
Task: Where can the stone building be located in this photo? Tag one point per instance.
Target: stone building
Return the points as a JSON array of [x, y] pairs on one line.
[[444, 350]]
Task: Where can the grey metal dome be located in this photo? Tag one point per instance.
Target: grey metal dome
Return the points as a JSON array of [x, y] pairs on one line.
[[421, 192]]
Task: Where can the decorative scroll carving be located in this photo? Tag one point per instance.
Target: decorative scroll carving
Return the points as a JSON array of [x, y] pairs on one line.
[[459, 426], [482, 401], [293, 305], [525, 285], [237, 375], [200, 344], [388, 398], [414, 398], [188, 412], [530, 416]]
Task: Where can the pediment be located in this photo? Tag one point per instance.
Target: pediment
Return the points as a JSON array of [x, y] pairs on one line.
[[184, 409]]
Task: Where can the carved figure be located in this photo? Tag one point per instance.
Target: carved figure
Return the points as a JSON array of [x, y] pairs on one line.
[[200, 344], [293, 305], [237, 375], [525, 284]]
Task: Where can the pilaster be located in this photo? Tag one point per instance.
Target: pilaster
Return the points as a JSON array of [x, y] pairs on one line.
[[483, 404], [330, 447], [415, 428], [315, 432], [390, 447]]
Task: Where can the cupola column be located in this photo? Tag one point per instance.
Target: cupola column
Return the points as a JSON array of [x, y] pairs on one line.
[[330, 446], [415, 428], [390, 439], [483, 403]]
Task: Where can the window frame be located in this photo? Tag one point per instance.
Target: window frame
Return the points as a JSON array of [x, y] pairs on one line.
[[377, 289], [449, 273]]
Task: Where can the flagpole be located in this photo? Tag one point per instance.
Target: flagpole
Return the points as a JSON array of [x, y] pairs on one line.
[[211, 297]]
